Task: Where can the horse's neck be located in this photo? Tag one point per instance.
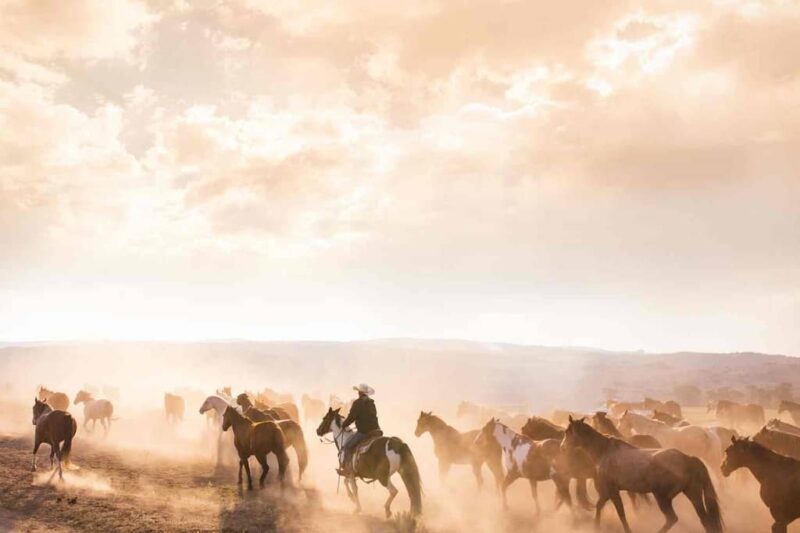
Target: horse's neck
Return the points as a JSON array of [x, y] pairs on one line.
[[439, 429], [340, 435], [47, 410], [766, 464], [241, 426], [505, 437]]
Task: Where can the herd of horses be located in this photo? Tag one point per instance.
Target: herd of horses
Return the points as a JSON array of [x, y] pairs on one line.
[[640, 448]]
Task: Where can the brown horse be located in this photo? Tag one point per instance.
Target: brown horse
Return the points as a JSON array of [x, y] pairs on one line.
[[56, 400], [668, 419], [538, 428], [778, 441], [736, 415], [606, 426], [292, 433], [779, 477], [53, 427], [174, 407], [792, 408], [313, 408], [664, 473], [453, 447], [779, 425], [257, 439], [575, 465], [670, 407]]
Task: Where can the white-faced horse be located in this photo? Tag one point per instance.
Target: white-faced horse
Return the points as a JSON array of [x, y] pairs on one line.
[[378, 459], [94, 410], [215, 405]]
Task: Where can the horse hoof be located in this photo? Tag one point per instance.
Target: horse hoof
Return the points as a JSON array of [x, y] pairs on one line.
[[388, 514]]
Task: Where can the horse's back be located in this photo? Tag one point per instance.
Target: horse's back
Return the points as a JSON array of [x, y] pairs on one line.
[[56, 425]]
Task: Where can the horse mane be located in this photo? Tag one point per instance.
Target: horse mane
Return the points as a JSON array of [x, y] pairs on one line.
[[648, 420], [608, 424], [762, 453]]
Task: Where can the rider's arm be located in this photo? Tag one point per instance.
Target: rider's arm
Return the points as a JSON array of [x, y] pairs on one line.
[[352, 415]]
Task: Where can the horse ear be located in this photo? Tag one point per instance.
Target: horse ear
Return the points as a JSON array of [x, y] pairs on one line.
[[570, 419], [430, 413], [337, 410], [733, 439], [583, 419]]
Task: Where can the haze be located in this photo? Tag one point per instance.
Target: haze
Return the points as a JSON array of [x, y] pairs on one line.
[[616, 174]]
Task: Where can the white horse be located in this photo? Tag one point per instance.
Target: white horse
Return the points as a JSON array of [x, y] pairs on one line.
[[215, 405], [383, 457], [94, 410]]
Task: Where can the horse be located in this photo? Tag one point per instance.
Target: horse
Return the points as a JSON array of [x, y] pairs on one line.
[[56, 400], [670, 407], [292, 433], [273, 413], [783, 426], [576, 465], [561, 417], [174, 407], [53, 427], [737, 415], [665, 473], [792, 408], [283, 403], [617, 408], [692, 440], [538, 428], [214, 407], [668, 419], [778, 476], [378, 458], [313, 409], [94, 410], [605, 425], [525, 458], [779, 441], [257, 439], [453, 447]]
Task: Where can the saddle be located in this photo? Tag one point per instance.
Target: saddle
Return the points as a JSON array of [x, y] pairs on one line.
[[363, 447]]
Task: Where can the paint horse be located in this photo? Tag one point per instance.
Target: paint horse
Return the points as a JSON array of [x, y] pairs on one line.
[[377, 458]]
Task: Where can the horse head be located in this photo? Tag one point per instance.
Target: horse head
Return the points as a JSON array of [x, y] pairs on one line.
[[82, 396], [737, 454], [39, 408], [576, 434], [423, 423], [326, 426]]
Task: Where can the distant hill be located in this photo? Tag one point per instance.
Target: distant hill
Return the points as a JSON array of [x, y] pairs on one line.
[[446, 370]]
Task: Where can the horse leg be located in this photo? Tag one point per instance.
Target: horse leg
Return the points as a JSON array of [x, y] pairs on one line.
[[779, 527], [36, 445], [497, 471], [283, 463], [262, 460], [617, 501], [695, 495], [55, 448], [477, 471], [392, 494], [665, 504], [444, 468], [511, 477], [246, 463], [535, 494], [354, 491], [602, 498], [105, 427]]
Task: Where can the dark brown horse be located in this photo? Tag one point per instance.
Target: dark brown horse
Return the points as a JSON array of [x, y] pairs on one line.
[[56, 400], [257, 439], [664, 473], [292, 434], [174, 407], [453, 447], [575, 465], [779, 477], [53, 427], [779, 441], [792, 408]]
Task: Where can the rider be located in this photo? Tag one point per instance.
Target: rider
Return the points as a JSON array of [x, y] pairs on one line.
[[365, 416]]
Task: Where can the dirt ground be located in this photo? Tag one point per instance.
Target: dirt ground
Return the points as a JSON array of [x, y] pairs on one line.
[[143, 478]]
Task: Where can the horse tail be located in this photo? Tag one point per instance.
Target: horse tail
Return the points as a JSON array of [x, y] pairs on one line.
[[69, 429], [714, 522], [302, 452], [410, 475]]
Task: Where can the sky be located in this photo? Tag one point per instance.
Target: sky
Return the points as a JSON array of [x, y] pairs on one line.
[[618, 174]]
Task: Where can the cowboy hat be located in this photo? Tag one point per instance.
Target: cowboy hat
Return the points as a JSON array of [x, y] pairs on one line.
[[364, 389]]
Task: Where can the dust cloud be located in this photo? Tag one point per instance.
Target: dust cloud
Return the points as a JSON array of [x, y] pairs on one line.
[[149, 474]]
